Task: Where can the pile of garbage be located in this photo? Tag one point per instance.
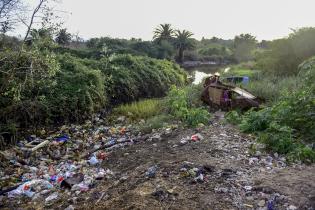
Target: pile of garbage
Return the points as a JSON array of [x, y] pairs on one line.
[[68, 160], [196, 174]]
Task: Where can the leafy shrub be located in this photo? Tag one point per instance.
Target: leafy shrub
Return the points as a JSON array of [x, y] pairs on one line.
[[180, 107], [278, 138], [289, 120], [256, 121], [135, 77], [233, 117], [79, 91]]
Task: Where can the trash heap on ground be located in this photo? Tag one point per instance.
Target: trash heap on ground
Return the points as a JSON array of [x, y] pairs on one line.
[[76, 166], [69, 160]]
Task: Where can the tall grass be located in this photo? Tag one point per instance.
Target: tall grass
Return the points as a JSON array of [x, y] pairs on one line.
[[156, 122], [143, 109], [242, 69], [271, 87]]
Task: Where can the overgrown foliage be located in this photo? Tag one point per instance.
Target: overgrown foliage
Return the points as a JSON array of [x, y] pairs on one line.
[[287, 126], [282, 56], [244, 46], [179, 101], [42, 85], [271, 88]]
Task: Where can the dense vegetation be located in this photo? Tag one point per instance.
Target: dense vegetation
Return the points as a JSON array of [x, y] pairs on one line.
[[181, 104], [43, 85], [282, 56], [287, 125]]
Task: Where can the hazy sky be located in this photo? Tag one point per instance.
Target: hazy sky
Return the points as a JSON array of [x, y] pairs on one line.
[[266, 19]]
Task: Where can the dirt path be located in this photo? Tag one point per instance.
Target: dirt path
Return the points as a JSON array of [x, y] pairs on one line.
[[230, 177]]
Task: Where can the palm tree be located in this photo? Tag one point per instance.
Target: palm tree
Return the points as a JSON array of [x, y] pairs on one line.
[[183, 42], [63, 37], [163, 32]]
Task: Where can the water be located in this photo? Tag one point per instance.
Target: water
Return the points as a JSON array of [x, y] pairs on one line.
[[199, 73]]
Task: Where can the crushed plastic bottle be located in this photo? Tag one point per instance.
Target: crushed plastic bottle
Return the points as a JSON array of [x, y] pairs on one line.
[[151, 172], [93, 160], [62, 139]]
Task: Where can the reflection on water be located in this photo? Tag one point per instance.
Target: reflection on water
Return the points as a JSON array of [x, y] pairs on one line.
[[198, 73], [198, 76]]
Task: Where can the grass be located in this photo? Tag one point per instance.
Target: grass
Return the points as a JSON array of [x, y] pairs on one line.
[[241, 72], [155, 122], [143, 109], [242, 69], [265, 86], [271, 88]]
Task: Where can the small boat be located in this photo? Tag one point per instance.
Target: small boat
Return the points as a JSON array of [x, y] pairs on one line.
[[221, 96]]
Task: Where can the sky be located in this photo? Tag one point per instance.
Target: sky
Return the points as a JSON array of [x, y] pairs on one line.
[[265, 19]]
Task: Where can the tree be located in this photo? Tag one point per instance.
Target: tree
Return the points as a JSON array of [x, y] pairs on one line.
[[165, 50], [282, 56], [244, 44], [33, 16], [183, 42], [63, 37], [8, 14], [163, 32]]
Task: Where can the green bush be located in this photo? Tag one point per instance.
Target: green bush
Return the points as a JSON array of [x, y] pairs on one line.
[[288, 124], [180, 106], [233, 117], [134, 77], [278, 138], [45, 85], [255, 121], [78, 93]]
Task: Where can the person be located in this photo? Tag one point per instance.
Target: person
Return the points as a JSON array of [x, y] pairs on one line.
[[217, 77], [226, 100], [209, 80]]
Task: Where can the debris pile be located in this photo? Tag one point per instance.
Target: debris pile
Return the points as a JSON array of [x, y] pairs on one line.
[[201, 168], [67, 160]]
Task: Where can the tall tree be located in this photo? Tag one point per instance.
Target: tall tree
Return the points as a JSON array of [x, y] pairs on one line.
[[8, 14], [244, 44], [163, 32], [63, 37], [183, 41], [33, 16]]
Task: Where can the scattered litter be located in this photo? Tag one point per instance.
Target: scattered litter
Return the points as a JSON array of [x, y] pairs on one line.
[[151, 172], [196, 137], [52, 197], [62, 139]]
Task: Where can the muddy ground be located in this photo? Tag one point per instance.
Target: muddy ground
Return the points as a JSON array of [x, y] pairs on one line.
[[233, 177]]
